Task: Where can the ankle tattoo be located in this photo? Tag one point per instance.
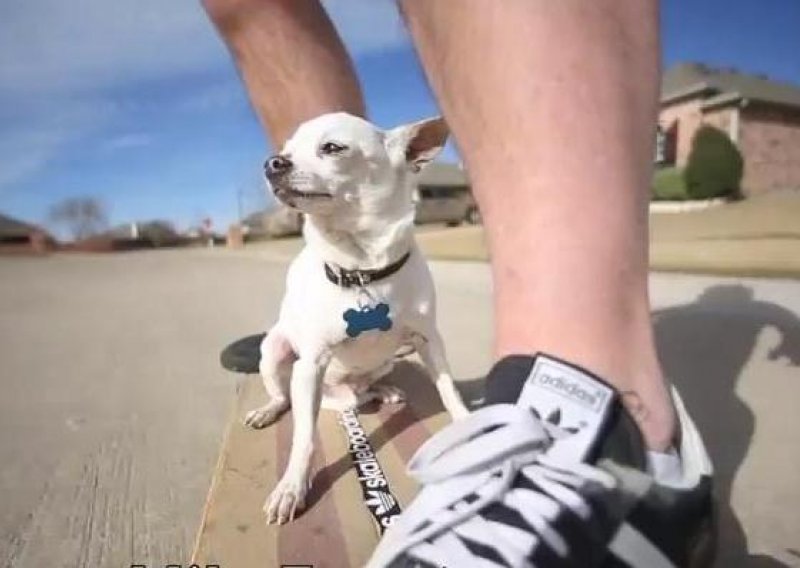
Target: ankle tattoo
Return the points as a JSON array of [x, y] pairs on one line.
[[657, 428], [634, 404]]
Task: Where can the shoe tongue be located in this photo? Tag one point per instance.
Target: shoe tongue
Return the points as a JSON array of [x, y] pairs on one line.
[[574, 404]]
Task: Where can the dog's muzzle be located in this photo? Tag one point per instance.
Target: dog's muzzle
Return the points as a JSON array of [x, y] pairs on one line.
[[280, 172], [277, 166]]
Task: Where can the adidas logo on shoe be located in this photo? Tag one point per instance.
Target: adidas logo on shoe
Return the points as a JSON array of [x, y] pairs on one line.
[[571, 389], [567, 397]]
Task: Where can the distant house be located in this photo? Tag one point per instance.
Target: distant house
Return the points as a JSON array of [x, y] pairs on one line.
[[155, 233], [275, 222], [18, 236], [760, 115], [444, 195], [131, 236]]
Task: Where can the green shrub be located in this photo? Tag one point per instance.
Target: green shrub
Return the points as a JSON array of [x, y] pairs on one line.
[[715, 165], [669, 185]]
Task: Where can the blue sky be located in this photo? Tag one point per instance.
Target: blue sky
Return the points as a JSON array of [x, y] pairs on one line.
[[136, 102]]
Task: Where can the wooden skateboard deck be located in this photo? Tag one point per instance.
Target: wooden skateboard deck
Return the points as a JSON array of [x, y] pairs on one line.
[[340, 525]]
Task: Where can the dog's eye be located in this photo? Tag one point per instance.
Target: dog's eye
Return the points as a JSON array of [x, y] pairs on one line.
[[331, 148]]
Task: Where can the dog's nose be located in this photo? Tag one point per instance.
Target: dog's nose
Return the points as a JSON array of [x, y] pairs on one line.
[[278, 165]]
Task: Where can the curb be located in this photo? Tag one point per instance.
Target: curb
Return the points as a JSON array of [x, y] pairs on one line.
[[216, 475]]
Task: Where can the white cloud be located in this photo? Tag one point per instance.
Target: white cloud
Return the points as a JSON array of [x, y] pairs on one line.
[[24, 153], [58, 46], [85, 45], [27, 146], [59, 59]]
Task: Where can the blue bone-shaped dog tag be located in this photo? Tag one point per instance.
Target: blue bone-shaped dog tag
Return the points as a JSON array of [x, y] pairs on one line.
[[366, 318]]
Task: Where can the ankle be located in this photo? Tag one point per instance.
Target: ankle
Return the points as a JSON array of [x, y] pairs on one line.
[[642, 389], [654, 413], [645, 393], [608, 333]]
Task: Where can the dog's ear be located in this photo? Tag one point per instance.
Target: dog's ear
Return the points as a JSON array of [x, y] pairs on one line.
[[419, 142]]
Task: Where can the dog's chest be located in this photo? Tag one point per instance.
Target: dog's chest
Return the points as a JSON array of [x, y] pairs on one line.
[[370, 329], [369, 351], [362, 328]]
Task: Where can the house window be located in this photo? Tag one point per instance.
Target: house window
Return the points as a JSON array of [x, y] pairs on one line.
[[666, 144], [661, 144]]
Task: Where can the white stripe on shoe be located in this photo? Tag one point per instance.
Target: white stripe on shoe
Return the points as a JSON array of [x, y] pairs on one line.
[[631, 546]]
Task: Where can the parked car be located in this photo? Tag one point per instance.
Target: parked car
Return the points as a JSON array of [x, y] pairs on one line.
[[448, 205], [444, 196]]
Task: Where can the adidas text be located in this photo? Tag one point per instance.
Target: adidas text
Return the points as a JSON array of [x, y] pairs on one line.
[[572, 390]]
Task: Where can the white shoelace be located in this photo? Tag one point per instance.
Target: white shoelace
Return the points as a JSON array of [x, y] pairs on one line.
[[473, 463]]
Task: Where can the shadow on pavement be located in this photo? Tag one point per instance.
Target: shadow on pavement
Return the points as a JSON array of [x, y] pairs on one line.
[[704, 347]]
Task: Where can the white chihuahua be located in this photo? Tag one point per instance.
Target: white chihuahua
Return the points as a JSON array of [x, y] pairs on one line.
[[358, 291]]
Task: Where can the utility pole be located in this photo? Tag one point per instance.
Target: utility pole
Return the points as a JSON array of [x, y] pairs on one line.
[[239, 200]]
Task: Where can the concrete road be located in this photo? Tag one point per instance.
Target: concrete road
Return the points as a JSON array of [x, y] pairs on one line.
[[113, 404]]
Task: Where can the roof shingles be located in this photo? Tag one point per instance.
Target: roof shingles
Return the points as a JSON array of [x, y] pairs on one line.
[[13, 228], [724, 85]]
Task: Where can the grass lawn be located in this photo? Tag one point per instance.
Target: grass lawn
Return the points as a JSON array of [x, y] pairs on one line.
[[755, 237], [775, 216]]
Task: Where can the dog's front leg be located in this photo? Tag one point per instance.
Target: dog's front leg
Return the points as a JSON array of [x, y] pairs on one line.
[[305, 389], [431, 350]]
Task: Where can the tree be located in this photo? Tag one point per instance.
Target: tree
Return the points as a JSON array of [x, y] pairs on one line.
[[159, 233], [715, 165], [82, 216]]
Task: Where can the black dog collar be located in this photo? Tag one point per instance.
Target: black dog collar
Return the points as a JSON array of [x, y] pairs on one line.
[[351, 278]]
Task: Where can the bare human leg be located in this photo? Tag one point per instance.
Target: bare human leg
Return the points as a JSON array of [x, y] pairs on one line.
[[553, 106], [291, 60]]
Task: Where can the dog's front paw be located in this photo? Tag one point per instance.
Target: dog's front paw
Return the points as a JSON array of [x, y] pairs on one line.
[[285, 501], [264, 416]]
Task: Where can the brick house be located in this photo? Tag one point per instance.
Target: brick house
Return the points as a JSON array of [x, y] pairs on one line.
[[19, 237], [760, 115]]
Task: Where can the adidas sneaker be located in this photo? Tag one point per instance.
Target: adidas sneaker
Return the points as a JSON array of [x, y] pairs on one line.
[[553, 472]]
